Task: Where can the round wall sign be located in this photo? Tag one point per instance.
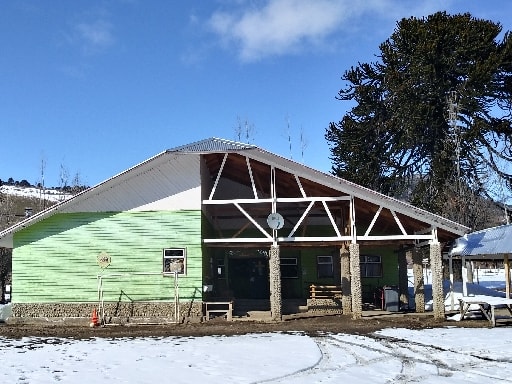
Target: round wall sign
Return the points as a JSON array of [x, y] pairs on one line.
[[275, 221], [104, 260]]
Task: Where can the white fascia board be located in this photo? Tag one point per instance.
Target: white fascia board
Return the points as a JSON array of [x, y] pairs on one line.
[[278, 200], [237, 201], [396, 237], [239, 240], [317, 239]]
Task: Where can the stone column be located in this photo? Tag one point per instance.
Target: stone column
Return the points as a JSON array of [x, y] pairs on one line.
[[403, 282], [419, 285], [275, 284], [469, 268], [436, 265], [346, 294], [355, 282]]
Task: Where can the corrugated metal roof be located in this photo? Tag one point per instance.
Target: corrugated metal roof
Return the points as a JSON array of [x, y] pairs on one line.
[[212, 144], [488, 242]]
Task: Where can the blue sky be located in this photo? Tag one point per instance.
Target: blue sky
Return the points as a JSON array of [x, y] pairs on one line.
[[95, 87]]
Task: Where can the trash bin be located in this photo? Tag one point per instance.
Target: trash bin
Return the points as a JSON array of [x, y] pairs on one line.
[[391, 299]]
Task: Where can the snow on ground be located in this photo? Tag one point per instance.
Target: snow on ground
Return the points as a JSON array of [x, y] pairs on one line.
[[50, 194], [445, 355]]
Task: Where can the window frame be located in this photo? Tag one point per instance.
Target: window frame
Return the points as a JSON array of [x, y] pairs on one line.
[[319, 263], [365, 260], [166, 261], [291, 265]]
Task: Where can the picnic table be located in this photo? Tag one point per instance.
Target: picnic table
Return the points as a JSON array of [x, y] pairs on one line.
[[486, 305]]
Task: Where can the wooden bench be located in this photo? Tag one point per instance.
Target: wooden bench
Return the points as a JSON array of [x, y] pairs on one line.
[[325, 291], [218, 307]]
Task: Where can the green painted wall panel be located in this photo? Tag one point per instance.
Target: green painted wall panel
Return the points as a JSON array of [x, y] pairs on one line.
[[55, 260]]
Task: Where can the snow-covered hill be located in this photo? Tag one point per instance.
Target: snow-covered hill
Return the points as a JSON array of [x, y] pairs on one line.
[[50, 194]]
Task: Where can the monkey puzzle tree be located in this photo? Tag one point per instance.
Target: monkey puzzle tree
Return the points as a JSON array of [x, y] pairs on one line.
[[432, 116]]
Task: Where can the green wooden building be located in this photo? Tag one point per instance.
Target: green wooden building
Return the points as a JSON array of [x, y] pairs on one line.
[[220, 221]]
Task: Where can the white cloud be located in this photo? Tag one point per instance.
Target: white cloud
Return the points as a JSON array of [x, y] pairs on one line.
[[98, 33], [279, 27], [94, 36], [90, 31]]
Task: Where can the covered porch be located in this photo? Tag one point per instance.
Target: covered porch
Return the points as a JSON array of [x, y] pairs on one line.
[[257, 202]]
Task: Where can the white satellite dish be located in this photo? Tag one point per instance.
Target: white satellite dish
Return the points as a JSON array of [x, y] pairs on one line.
[[275, 221]]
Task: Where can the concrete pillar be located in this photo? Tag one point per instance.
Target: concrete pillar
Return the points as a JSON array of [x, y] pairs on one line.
[[436, 266], [419, 285], [464, 277], [275, 284], [346, 293], [355, 282], [469, 268], [403, 282]]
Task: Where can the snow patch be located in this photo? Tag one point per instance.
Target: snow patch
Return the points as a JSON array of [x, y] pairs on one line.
[[50, 194]]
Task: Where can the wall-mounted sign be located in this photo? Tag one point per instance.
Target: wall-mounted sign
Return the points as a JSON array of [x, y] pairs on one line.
[[104, 260], [275, 221]]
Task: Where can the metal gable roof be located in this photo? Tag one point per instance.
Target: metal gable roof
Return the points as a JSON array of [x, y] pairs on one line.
[[488, 242], [213, 144]]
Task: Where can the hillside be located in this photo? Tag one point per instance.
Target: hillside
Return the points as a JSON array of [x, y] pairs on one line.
[[16, 202]]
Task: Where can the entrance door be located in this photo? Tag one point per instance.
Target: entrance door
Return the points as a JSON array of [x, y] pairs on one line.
[[248, 278]]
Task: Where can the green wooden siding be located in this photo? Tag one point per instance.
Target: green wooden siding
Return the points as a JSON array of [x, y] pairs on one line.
[[310, 273], [55, 260], [309, 268], [389, 267]]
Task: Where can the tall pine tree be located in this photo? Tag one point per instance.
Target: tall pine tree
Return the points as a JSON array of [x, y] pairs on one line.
[[400, 137]]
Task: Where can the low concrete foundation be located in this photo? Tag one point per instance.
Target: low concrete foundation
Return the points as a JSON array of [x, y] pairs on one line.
[[113, 312]]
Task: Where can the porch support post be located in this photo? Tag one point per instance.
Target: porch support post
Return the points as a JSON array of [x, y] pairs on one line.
[[506, 265], [275, 284], [419, 285], [403, 282], [464, 277], [355, 282], [436, 265], [346, 295], [452, 294]]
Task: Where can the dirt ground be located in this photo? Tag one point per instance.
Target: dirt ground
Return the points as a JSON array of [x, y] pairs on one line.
[[309, 325]]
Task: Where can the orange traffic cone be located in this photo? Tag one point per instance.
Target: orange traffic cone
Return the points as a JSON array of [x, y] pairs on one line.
[[94, 319]]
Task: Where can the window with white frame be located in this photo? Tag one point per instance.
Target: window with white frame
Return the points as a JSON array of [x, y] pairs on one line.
[[174, 261], [289, 268], [371, 265], [324, 266]]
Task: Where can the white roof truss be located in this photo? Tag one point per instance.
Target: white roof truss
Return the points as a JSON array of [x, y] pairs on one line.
[[306, 204]]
